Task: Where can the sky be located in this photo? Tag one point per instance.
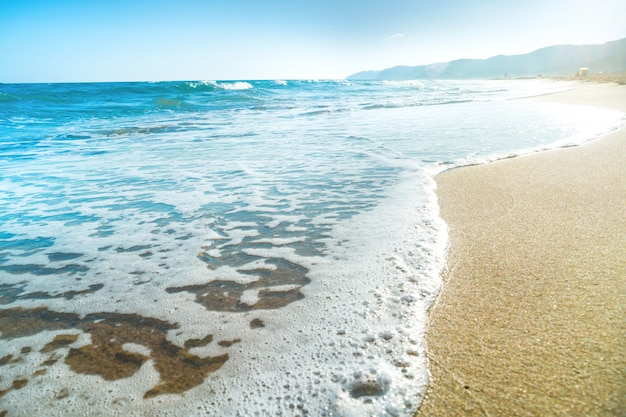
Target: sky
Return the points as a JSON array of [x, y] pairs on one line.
[[158, 40]]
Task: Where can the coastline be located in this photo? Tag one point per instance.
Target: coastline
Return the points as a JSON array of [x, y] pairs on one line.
[[530, 318]]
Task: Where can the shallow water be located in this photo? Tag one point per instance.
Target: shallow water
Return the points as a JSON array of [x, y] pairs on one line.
[[237, 248]]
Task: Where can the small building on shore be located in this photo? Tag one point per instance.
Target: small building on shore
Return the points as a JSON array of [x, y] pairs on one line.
[[582, 72]]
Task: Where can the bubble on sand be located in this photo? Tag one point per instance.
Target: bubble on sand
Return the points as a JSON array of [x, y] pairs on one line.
[[369, 383], [386, 335]]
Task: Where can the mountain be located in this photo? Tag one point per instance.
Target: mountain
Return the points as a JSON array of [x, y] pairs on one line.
[[560, 60]]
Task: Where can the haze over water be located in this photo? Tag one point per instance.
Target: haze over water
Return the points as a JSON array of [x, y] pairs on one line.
[[237, 248]]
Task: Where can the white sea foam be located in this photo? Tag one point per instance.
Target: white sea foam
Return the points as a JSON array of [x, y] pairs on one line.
[[239, 85]]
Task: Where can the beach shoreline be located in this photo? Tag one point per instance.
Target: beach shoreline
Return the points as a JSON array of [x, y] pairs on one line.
[[529, 320]]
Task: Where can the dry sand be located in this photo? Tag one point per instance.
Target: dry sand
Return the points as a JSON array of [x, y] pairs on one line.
[[531, 319]]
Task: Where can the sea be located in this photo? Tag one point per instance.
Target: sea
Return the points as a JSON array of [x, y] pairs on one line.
[[239, 248]]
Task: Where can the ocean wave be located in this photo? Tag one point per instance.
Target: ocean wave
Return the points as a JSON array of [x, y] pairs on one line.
[[376, 106], [205, 86], [7, 98], [327, 81], [167, 102], [236, 85], [433, 102], [404, 83], [133, 130]]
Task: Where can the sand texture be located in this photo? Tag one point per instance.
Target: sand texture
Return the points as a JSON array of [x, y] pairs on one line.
[[531, 319]]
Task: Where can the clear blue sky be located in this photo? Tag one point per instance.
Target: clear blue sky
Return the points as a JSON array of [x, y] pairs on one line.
[[125, 40]]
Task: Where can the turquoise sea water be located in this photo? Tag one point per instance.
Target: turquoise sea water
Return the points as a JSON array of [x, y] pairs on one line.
[[238, 248]]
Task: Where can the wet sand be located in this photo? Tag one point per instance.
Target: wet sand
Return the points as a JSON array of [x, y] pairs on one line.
[[531, 319]]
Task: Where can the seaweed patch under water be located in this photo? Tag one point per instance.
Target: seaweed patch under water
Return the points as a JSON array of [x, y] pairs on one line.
[[179, 370], [10, 293], [274, 289]]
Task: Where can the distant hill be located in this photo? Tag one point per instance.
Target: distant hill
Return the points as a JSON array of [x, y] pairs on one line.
[[553, 61]]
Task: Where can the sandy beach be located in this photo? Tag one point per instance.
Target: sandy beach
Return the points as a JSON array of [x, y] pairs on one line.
[[531, 317]]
